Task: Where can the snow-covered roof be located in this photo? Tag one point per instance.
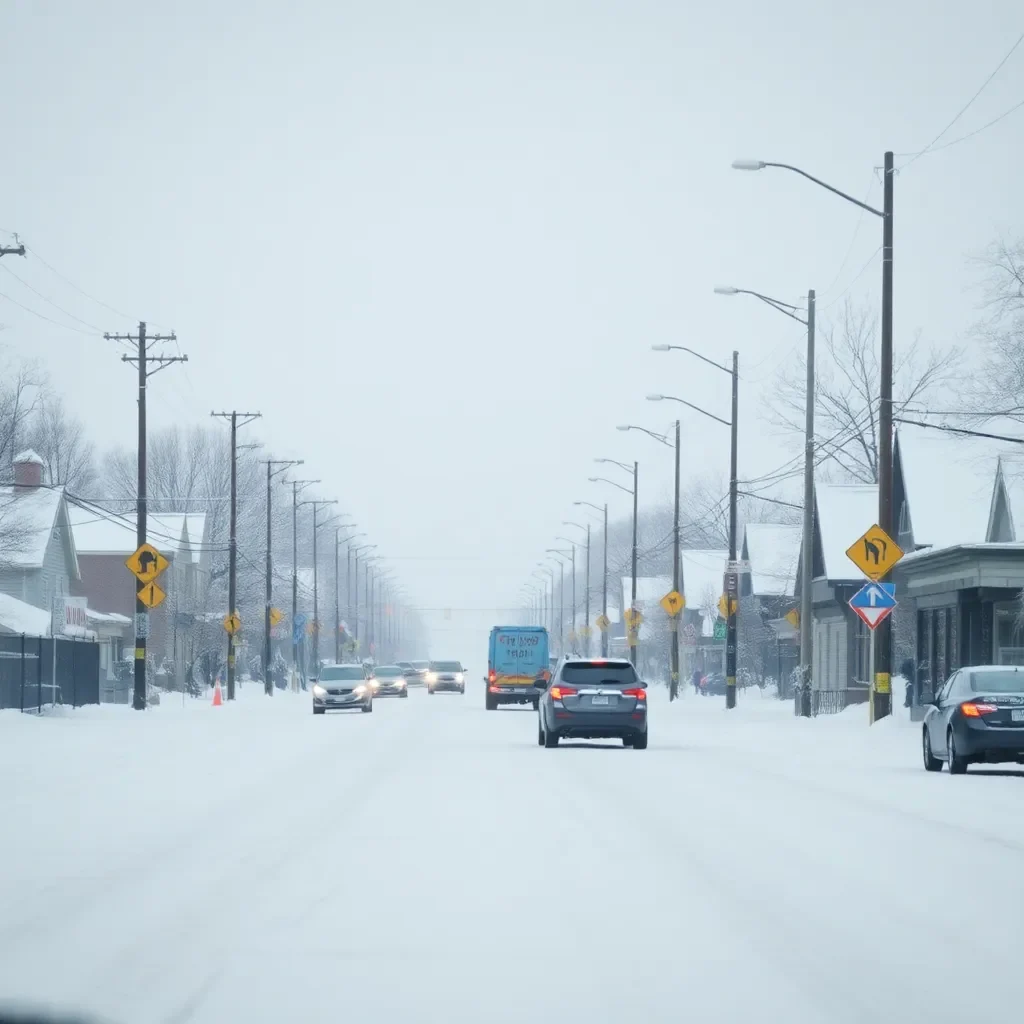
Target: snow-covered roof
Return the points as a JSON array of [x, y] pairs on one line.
[[29, 513], [99, 532], [703, 576], [112, 618], [844, 512], [949, 481], [19, 617], [773, 550]]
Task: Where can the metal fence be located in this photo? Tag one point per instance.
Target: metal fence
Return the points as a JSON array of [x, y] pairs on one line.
[[40, 670], [831, 702]]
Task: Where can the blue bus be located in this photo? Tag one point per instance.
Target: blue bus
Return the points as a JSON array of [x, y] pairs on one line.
[[517, 665]]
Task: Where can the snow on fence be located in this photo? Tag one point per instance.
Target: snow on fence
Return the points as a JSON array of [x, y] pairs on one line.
[[36, 671], [831, 702]]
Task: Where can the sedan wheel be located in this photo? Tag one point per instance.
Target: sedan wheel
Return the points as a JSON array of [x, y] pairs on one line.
[[957, 765], [931, 762]]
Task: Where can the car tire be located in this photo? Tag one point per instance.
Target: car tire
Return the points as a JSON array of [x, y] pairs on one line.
[[550, 739], [318, 711], [367, 708], [931, 762], [462, 690], [404, 694], [540, 734], [640, 741], [490, 703], [430, 690], [627, 741], [957, 764], [536, 703]]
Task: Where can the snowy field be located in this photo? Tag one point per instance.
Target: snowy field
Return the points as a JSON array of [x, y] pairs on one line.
[[429, 862]]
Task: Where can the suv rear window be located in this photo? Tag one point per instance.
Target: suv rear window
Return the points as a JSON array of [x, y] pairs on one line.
[[588, 673], [341, 672]]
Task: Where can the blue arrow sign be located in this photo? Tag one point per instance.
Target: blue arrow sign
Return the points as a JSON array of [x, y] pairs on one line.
[[874, 602], [299, 627]]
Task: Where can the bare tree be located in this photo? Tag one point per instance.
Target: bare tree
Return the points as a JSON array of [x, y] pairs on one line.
[[60, 440], [846, 391], [998, 389], [20, 388]]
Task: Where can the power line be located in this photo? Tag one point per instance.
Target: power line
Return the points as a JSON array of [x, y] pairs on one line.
[[966, 107], [46, 298], [81, 291], [48, 319]]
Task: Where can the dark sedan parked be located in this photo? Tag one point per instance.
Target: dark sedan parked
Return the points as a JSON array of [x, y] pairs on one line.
[[594, 699], [977, 717]]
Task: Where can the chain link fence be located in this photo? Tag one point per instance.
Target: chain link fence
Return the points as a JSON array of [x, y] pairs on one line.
[[37, 671]]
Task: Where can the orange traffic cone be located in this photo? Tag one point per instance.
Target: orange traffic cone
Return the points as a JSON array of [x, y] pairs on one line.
[[217, 701]]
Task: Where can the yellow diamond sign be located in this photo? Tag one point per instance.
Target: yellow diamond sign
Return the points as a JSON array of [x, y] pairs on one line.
[[793, 618], [233, 623], [151, 595], [634, 617], [276, 615], [603, 622], [874, 553], [723, 606], [146, 564], [673, 603]]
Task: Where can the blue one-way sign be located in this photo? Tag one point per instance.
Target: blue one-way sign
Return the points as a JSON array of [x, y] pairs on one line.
[[874, 602]]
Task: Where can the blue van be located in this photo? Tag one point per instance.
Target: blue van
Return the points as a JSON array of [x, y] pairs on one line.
[[517, 665]]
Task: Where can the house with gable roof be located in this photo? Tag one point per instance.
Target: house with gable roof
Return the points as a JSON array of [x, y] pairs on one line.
[[960, 505]]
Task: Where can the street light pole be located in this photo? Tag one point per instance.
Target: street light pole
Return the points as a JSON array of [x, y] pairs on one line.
[[881, 683], [732, 592], [586, 634], [604, 588], [283, 464], [676, 583], [636, 638]]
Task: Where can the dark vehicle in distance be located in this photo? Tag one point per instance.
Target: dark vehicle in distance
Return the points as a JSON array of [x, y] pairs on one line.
[[446, 675], [417, 674], [342, 687], [713, 685], [388, 681], [594, 699], [977, 717]]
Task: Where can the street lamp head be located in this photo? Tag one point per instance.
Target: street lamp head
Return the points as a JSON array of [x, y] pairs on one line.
[[748, 165], [655, 398], [602, 460], [661, 348], [592, 479], [726, 289], [624, 426]]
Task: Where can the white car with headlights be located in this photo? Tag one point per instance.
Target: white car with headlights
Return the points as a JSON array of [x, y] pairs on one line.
[[388, 681], [340, 688], [446, 675]]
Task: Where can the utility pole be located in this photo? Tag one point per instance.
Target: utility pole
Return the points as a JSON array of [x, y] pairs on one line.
[[296, 486], [337, 597], [732, 591], [575, 638], [561, 607], [632, 599], [803, 697], [317, 505], [232, 417], [604, 587], [143, 361], [881, 696], [676, 582], [586, 635], [283, 464]]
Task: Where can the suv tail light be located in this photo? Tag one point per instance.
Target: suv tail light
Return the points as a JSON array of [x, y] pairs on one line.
[[558, 692], [639, 693], [972, 709]]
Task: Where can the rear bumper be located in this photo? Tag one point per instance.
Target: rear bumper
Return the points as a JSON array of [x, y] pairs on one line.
[[515, 695], [989, 743], [589, 725]]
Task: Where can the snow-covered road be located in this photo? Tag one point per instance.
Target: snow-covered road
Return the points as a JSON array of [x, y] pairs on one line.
[[430, 863]]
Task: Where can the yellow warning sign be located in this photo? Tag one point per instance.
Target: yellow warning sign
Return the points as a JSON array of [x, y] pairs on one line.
[[233, 623], [603, 622], [146, 564], [673, 602], [634, 618], [874, 553], [151, 595], [793, 618], [723, 606], [276, 615]]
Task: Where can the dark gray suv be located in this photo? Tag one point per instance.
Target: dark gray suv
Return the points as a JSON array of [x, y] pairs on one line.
[[594, 699]]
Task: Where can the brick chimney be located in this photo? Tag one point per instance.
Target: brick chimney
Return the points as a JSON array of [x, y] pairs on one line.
[[28, 469]]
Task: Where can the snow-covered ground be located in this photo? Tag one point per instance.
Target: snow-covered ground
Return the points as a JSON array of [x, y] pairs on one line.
[[429, 862]]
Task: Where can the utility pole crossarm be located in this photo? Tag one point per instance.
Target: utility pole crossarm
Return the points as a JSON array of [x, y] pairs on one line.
[[12, 250]]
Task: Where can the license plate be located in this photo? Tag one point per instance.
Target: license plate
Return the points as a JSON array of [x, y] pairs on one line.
[[599, 700], [1017, 715]]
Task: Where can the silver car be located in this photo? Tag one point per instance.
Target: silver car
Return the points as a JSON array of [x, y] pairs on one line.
[[341, 688]]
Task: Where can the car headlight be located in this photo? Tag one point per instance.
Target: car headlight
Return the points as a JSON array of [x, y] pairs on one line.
[[400, 682], [431, 677], [459, 677], [360, 689], [319, 691]]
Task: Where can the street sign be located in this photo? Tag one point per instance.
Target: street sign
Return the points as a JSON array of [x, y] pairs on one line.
[[151, 595], [793, 618], [723, 606], [142, 625], [146, 564], [585, 632], [634, 618], [874, 602], [731, 583], [632, 637], [720, 630], [276, 615], [874, 553], [232, 623], [299, 627], [673, 602], [603, 622]]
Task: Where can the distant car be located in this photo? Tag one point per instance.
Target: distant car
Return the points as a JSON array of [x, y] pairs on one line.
[[976, 717], [342, 687], [389, 681], [714, 685], [406, 667], [446, 675], [418, 676], [594, 699]]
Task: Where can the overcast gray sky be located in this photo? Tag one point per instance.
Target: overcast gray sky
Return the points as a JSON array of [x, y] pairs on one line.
[[433, 241]]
